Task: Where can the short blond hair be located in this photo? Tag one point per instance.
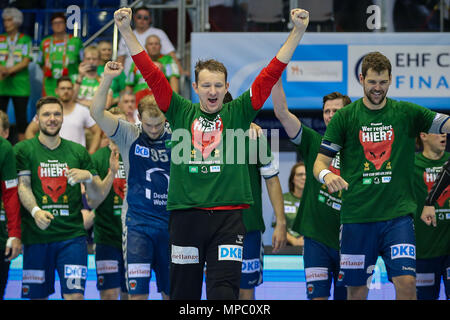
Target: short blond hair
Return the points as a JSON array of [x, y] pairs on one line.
[[91, 48], [148, 104]]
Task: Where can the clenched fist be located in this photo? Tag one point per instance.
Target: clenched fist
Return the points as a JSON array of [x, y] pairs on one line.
[[300, 18], [122, 18], [112, 69]]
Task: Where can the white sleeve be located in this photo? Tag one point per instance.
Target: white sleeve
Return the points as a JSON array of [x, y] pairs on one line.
[[88, 120]]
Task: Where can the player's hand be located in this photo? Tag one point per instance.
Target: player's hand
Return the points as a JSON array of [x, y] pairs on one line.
[[429, 215], [114, 161], [13, 248], [75, 176], [334, 182], [300, 18], [83, 69], [255, 131], [112, 69], [43, 219], [122, 19], [279, 237]]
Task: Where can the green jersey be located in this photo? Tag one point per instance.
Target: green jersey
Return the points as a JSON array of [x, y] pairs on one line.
[[431, 242], [266, 168], [319, 212], [107, 221], [48, 171], [12, 52], [377, 157], [58, 58], [88, 87], [291, 205], [208, 159], [135, 79]]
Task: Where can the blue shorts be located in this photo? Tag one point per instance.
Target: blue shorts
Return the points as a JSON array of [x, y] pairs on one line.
[[321, 267], [252, 262], [362, 243], [68, 257], [428, 277], [147, 249], [110, 267]]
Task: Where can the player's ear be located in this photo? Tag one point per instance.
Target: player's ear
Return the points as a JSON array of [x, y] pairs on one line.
[[195, 87]]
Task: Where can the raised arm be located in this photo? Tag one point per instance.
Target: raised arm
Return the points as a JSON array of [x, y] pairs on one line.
[[262, 86], [289, 121], [150, 72], [107, 121], [300, 19]]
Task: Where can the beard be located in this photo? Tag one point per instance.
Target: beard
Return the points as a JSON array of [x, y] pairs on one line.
[[368, 94], [47, 133]]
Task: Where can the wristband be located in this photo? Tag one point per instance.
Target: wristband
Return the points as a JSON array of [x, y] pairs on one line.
[[322, 175], [9, 241], [90, 178], [35, 209]]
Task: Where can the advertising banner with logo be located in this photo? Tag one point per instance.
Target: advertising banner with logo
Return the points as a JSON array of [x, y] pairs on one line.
[[327, 62]]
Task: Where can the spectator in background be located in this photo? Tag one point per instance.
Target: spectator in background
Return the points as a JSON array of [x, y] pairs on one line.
[[76, 119], [127, 103], [87, 80], [297, 179], [118, 84], [142, 20], [165, 63], [59, 54], [15, 55], [10, 233]]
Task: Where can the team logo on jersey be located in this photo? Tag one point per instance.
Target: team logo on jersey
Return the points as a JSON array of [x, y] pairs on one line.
[[53, 178], [119, 181], [377, 142], [429, 176], [206, 134]]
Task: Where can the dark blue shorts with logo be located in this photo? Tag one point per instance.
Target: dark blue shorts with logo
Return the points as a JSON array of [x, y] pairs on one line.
[[321, 267], [362, 243], [68, 258], [147, 249], [428, 278], [109, 267], [252, 263]]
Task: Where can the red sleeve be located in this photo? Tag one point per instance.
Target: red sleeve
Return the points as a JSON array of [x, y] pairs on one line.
[[155, 80], [12, 207], [262, 86]]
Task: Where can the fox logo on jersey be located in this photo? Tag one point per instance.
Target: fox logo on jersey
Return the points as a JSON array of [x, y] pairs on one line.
[[53, 179], [429, 176], [377, 144], [206, 134]]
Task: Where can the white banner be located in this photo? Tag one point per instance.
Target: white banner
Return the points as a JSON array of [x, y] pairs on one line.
[[327, 62]]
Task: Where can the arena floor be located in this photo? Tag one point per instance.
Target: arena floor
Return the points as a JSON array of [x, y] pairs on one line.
[[284, 279]]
